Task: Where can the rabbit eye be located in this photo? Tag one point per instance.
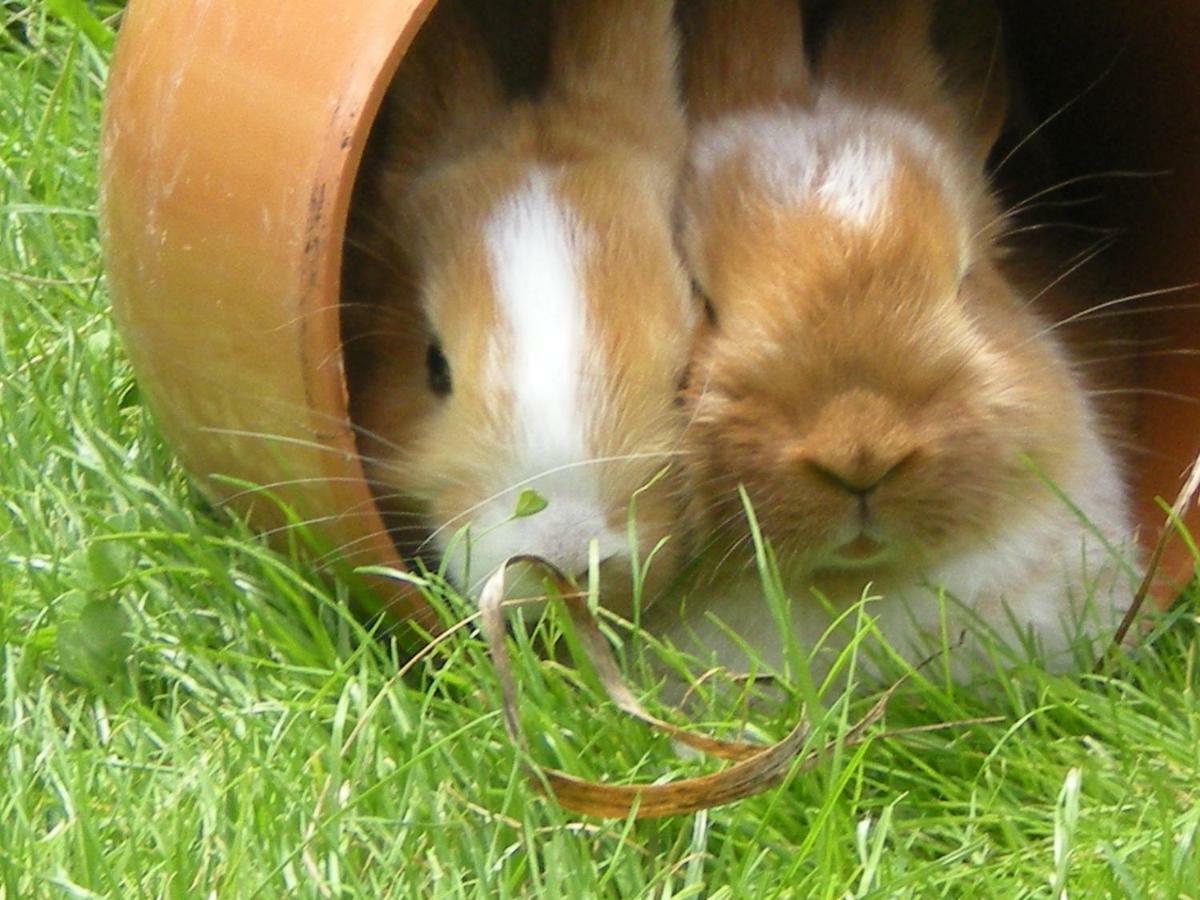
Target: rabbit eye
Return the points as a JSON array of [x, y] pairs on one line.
[[682, 383], [438, 368], [710, 312]]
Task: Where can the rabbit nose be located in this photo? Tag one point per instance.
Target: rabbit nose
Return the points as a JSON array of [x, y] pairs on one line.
[[860, 475]]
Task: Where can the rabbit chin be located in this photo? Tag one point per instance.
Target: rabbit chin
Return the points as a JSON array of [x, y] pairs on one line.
[[852, 551], [863, 552]]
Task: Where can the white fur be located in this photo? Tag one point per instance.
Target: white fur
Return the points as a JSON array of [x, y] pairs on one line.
[[855, 183], [550, 378], [838, 154], [535, 247]]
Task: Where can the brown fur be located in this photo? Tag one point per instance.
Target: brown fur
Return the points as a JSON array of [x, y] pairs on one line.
[[721, 78], [885, 50]]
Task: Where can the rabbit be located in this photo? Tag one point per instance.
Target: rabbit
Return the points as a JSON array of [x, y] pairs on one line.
[[878, 378], [527, 320]]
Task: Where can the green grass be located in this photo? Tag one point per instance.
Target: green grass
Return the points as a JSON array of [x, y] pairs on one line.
[[185, 712]]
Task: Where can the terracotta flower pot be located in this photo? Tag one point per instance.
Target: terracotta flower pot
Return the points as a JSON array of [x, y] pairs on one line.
[[231, 139]]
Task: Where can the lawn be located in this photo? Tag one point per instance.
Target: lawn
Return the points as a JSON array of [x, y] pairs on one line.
[[187, 712]]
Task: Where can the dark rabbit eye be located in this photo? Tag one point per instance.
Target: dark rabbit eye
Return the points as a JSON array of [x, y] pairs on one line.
[[710, 313], [438, 368], [682, 383]]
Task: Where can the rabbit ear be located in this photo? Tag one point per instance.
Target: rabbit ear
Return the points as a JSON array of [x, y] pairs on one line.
[[942, 61], [883, 50], [613, 70], [969, 36], [447, 93], [741, 55]]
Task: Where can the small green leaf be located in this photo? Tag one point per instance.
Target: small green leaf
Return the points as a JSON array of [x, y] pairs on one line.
[[530, 503], [93, 647], [99, 343], [108, 562], [100, 566]]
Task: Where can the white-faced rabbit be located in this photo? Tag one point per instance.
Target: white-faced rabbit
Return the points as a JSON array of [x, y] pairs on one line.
[[532, 320], [879, 377]]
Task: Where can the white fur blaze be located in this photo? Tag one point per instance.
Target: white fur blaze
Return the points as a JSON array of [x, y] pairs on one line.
[[549, 373], [856, 183], [535, 248], [837, 155]]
